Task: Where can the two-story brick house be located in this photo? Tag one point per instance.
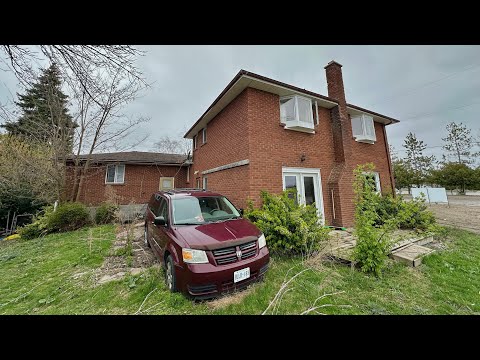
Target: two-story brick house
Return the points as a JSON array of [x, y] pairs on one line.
[[261, 134]]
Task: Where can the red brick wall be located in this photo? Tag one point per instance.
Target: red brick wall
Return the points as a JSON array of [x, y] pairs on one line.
[[272, 147], [261, 138], [227, 142], [140, 182]]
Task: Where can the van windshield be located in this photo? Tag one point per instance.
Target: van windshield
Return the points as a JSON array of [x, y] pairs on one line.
[[200, 210]]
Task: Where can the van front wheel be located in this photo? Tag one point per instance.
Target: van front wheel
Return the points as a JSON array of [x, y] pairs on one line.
[[170, 278]]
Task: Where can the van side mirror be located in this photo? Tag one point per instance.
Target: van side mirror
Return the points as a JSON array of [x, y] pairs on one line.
[[159, 221], [240, 211]]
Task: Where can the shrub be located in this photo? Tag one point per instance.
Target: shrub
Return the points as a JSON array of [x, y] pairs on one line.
[[288, 228], [105, 213], [39, 226], [409, 214], [68, 217], [373, 242]]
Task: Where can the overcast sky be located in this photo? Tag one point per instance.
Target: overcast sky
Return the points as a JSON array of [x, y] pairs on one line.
[[425, 87]]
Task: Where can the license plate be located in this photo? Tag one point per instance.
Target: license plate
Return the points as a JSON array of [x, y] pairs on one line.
[[240, 275]]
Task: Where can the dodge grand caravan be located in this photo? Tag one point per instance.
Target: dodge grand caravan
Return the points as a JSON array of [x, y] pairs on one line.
[[203, 242]]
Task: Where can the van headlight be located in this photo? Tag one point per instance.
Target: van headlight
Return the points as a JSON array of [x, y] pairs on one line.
[[193, 256], [261, 241]]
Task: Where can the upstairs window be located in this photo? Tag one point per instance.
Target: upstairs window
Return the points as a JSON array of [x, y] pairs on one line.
[[363, 129], [115, 174], [296, 113], [195, 142], [204, 135]]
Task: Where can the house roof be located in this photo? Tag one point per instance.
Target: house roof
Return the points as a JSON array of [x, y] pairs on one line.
[[137, 157], [246, 79]]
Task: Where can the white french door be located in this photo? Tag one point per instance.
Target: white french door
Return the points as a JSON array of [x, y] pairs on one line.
[[307, 183]]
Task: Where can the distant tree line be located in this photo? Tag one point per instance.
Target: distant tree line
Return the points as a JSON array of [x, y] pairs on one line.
[[458, 169]]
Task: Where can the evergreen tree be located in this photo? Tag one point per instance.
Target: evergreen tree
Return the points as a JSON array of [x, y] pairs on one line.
[[44, 114], [458, 144], [418, 164]]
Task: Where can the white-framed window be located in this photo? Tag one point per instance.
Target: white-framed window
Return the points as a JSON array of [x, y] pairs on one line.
[[198, 183], [296, 113], [115, 174], [363, 128], [195, 142], [166, 183], [205, 182], [374, 177], [204, 135]]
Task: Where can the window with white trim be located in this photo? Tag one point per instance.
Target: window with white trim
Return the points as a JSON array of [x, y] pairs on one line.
[[166, 183], [373, 179], [204, 135], [296, 113], [205, 183], [115, 174], [363, 129], [198, 183], [195, 142]]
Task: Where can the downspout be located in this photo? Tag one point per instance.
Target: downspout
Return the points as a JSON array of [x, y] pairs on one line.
[[390, 168]]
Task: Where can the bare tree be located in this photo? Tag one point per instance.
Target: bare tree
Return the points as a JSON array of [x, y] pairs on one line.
[[170, 145], [459, 144], [75, 62], [101, 123]]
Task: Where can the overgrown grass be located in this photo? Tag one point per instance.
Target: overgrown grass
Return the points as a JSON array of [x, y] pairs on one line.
[[54, 275]]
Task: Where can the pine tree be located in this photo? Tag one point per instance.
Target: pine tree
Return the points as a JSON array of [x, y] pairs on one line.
[[418, 164], [45, 114]]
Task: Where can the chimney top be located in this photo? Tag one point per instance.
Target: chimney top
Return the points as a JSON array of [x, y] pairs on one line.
[[332, 63]]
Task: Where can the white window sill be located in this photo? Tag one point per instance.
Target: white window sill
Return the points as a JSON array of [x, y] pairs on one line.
[[114, 183], [365, 140]]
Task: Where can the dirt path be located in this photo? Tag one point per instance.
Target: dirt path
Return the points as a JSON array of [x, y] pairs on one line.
[[465, 216], [125, 259]]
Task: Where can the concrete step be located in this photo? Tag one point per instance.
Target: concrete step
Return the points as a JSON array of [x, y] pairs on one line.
[[411, 254]]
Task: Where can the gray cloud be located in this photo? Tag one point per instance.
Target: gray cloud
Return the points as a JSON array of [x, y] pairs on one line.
[[386, 79]]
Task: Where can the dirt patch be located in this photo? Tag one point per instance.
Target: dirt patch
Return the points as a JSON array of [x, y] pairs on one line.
[[466, 217], [129, 255]]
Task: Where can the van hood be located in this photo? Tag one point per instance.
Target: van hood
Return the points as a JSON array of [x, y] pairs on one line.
[[212, 236]]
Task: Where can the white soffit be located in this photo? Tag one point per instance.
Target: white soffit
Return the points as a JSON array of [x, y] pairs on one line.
[[354, 112]]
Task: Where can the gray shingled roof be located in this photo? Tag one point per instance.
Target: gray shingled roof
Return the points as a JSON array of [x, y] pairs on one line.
[[137, 157]]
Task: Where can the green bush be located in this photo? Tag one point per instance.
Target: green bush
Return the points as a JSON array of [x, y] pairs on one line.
[[105, 213], [373, 241], [288, 228], [39, 226], [409, 214], [68, 217]]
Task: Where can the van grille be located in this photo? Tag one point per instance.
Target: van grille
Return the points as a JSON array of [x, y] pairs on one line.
[[228, 255]]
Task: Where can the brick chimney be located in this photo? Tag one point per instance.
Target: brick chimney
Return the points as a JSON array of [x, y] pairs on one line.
[[339, 184], [340, 123]]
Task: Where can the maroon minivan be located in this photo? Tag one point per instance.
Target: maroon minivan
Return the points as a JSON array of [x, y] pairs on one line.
[[205, 245]]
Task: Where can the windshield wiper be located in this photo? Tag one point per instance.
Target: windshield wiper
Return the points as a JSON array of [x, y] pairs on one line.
[[190, 223]]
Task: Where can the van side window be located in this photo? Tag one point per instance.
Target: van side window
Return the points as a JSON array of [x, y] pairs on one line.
[[155, 206], [163, 209]]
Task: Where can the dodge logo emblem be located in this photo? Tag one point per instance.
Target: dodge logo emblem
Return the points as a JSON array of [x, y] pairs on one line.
[[239, 254]]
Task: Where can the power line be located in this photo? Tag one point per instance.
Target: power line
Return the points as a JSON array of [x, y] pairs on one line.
[[442, 110], [409, 91]]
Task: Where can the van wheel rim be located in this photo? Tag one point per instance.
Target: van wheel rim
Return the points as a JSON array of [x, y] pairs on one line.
[[169, 276]]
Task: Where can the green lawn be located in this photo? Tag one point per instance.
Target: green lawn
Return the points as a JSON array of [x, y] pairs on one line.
[[37, 277]]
